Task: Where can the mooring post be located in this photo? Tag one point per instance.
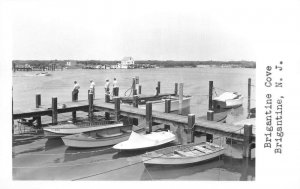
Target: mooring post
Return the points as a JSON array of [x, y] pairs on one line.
[[158, 88], [134, 91], [247, 141], [249, 95], [135, 101], [117, 108], [180, 110], [74, 99], [91, 99], [149, 116], [190, 131], [140, 89], [210, 117], [176, 89], [54, 110], [37, 100], [210, 102], [167, 110]]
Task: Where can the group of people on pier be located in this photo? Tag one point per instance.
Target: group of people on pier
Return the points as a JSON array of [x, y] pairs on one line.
[[115, 88]]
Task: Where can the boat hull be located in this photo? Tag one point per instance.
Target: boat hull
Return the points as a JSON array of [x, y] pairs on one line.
[[84, 141], [230, 103], [167, 156]]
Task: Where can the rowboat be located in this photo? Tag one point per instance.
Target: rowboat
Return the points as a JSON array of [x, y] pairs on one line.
[[70, 128], [159, 105], [228, 100], [100, 138], [138, 141], [183, 154], [43, 74]]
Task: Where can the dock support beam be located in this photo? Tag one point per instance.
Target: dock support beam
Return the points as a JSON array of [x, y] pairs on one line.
[[180, 110], [249, 95], [247, 141], [135, 101], [91, 99], [117, 108], [140, 89], [167, 110], [176, 89], [149, 116], [190, 130], [54, 110], [210, 93], [158, 88], [210, 117], [74, 99]]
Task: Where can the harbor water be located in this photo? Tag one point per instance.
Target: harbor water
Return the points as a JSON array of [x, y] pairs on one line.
[[37, 158]]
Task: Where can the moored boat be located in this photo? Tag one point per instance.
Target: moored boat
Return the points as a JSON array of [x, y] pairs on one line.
[[228, 100], [43, 74], [138, 141], [183, 154], [70, 128], [100, 138]]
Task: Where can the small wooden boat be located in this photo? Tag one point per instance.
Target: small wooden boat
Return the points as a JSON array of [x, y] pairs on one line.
[[43, 74], [69, 129], [183, 154], [138, 141], [228, 100], [99, 138]]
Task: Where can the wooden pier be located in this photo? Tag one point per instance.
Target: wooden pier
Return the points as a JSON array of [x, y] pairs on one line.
[[212, 124]]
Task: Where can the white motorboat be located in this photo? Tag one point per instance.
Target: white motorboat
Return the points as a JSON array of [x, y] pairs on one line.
[[228, 100], [138, 141]]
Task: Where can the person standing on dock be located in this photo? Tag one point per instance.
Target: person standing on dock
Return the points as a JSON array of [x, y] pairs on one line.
[[75, 90], [92, 88], [106, 87], [115, 88]]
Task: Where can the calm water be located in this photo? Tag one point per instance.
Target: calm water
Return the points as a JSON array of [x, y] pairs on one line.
[[39, 158]]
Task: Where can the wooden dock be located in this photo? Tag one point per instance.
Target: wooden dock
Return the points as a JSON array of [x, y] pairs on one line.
[[212, 124]]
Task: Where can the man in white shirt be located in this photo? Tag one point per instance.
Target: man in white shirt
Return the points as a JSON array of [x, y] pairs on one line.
[[115, 88], [92, 88], [75, 91], [106, 86]]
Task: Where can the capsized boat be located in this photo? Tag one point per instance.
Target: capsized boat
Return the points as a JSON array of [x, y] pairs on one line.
[[70, 128], [100, 138], [228, 100], [138, 141], [183, 154]]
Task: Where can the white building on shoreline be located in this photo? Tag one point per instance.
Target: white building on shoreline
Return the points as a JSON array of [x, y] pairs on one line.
[[126, 62]]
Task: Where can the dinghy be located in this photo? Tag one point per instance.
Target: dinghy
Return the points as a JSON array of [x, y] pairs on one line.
[[138, 141], [183, 154], [100, 138], [228, 100], [70, 128]]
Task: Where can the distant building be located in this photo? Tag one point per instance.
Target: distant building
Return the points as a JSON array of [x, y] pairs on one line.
[[126, 62], [70, 63]]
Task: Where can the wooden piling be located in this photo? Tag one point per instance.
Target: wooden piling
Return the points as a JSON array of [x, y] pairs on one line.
[[54, 110], [247, 141], [91, 99], [117, 108], [176, 89], [37, 100], [249, 95], [190, 130], [74, 99], [149, 116], [180, 110], [140, 89], [210, 117], [134, 91], [167, 110], [137, 80], [107, 98], [158, 88], [135, 101], [210, 102]]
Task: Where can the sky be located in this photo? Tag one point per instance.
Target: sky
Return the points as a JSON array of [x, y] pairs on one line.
[[146, 30]]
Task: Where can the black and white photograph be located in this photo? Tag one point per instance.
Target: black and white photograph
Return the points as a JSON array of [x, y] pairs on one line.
[[150, 91]]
